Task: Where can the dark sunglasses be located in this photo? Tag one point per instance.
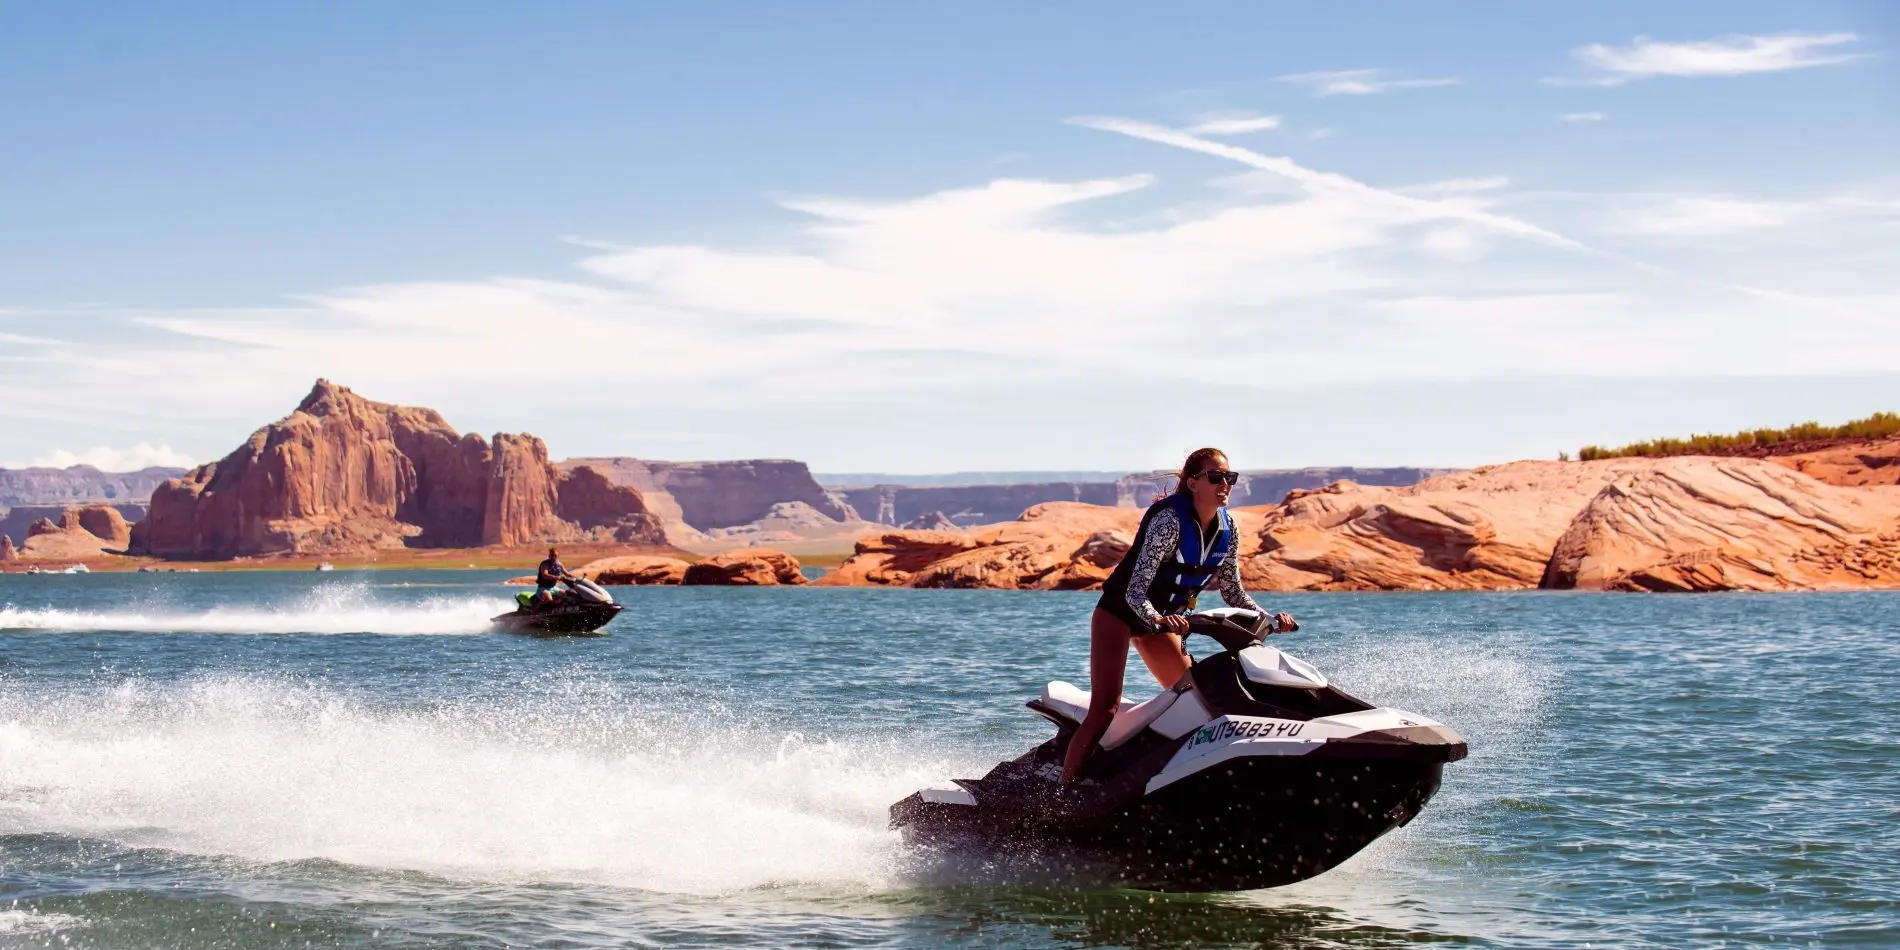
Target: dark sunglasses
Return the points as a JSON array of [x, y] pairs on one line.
[[1215, 477]]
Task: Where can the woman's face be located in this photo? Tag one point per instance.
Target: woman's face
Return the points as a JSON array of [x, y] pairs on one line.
[[1208, 490]]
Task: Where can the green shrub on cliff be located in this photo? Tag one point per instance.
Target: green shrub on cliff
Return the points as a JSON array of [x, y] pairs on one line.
[[1877, 426]]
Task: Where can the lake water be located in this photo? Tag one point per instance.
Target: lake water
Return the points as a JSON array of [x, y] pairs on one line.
[[279, 759]]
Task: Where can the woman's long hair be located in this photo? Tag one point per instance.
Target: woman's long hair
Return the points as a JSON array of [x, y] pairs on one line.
[[1198, 461]]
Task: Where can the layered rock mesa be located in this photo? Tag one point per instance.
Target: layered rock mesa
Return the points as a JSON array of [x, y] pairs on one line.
[[79, 483], [702, 496], [345, 473], [1675, 524]]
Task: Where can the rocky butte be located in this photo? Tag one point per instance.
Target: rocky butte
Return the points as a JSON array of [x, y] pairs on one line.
[[346, 474]]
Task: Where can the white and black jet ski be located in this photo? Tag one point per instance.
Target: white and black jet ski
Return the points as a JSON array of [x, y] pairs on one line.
[[1253, 771], [582, 609]]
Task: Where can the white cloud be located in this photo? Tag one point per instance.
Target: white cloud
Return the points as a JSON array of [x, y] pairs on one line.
[[1583, 117], [108, 459], [1358, 82], [1234, 123], [871, 311], [1716, 215], [1731, 55], [1319, 133], [1455, 186]]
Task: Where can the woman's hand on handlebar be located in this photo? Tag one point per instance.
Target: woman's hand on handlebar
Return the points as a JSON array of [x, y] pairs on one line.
[[1174, 623], [1284, 623]]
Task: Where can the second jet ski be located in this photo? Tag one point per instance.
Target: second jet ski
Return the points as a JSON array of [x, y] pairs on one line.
[[1253, 771], [582, 609]]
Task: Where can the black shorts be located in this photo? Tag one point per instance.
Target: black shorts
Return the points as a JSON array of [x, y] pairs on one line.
[[1117, 607]]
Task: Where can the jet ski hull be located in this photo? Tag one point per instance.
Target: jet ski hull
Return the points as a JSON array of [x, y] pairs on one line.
[[567, 620], [1253, 772], [1246, 824]]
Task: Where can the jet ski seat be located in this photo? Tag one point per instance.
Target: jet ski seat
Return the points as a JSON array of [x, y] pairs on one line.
[[1070, 702]]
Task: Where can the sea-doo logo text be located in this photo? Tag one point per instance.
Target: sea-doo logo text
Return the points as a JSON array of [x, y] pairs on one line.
[[1246, 729]]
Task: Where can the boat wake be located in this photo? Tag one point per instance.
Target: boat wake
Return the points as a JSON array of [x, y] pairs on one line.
[[343, 608], [586, 787]]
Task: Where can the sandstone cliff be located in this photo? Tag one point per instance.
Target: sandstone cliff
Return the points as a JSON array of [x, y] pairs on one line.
[[1854, 464], [1624, 524], [80, 532], [14, 521], [7, 552], [344, 473], [1054, 546], [1731, 524], [754, 568], [636, 570]]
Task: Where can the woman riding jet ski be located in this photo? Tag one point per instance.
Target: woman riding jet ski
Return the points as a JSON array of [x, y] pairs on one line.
[[1253, 771]]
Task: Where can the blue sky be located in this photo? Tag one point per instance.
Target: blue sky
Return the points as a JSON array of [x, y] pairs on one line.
[[989, 236]]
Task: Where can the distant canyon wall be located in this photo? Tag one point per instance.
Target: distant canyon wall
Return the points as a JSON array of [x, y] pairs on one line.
[[79, 484], [709, 495]]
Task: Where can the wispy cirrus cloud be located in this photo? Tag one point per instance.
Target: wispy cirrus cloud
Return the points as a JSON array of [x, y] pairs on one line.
[[1582, 117], [1359, 82], [1730, 55], [950, 297], [1716, 215], [1233, 123]]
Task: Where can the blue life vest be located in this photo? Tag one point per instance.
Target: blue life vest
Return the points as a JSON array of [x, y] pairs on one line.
[[1196, 559]]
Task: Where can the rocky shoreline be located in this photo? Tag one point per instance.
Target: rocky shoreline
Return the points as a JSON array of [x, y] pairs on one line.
[[360, 483]]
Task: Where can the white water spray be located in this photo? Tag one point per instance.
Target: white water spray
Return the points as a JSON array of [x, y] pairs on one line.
[[340, 608], [590, 788]]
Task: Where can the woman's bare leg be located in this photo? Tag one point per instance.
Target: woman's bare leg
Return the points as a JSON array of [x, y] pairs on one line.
[[1108, 661], [1165, 656]]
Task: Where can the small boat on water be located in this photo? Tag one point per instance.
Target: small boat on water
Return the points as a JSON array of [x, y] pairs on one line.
[[326, 566], [77, 569]]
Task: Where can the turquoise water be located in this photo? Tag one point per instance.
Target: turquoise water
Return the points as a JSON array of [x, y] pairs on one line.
[[261, 760]]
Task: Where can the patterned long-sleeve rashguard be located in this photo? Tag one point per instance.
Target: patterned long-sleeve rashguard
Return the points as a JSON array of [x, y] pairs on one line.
[[1164, 537]]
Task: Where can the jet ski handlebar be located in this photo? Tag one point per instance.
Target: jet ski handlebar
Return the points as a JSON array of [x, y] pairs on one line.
[[1234, 628]]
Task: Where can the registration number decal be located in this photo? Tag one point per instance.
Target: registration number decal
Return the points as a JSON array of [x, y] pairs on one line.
[[1227, 728]]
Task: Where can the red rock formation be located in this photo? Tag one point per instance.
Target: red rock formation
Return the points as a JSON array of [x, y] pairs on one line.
[[749, 568], [344, 473], [7, 553], [1692, 523], [1728, 524], [589, 500], [1856, 464], [1041, 550], [80, 533], [1490, 528], [634, 570], [106, 524], [889, 559]]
